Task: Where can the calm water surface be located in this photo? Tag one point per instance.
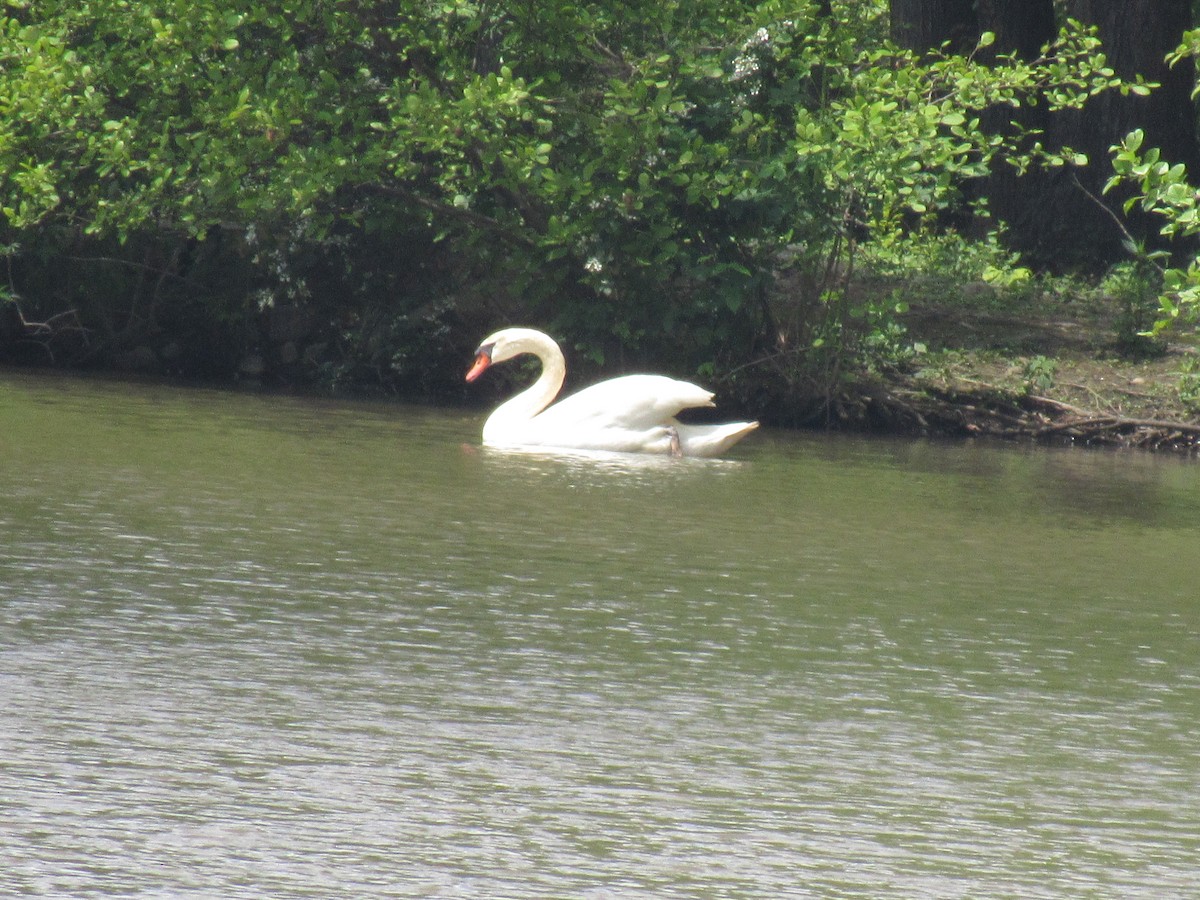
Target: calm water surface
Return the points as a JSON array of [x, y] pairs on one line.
[[270, 647]]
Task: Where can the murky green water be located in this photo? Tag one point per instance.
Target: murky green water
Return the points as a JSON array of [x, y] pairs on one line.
[[268, 647]]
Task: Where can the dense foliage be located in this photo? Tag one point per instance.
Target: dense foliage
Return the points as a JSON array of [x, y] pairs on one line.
[[354, 189]]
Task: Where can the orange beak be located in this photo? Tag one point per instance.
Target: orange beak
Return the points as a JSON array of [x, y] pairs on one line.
[[482, 361]]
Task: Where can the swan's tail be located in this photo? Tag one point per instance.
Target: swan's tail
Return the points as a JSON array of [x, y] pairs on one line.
[[711, 440]]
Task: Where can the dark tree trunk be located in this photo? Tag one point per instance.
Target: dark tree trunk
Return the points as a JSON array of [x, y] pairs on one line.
[[1137, 34], [1022, 27], [1050, 215], [927, 24]]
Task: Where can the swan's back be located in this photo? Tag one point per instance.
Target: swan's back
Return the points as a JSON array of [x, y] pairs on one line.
[[629, 402]]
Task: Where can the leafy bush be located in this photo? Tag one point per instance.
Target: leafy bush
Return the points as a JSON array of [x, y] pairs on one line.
[[1165, 191], [1189, 382], [692, 176], [1136, 286]]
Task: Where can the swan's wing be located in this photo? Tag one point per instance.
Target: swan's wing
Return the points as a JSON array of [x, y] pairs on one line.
[[628, 403]]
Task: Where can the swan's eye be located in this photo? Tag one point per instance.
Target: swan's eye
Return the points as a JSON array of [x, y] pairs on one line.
[[485, 350]]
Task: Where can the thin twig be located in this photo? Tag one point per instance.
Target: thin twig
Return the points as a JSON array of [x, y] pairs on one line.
[[1130, 240], [506, 232]]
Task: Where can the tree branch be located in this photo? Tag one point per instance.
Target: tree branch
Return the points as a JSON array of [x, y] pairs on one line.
[[1130, 240], [469, 216]]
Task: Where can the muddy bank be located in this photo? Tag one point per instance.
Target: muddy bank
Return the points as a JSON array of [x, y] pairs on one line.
[[1060, 377]]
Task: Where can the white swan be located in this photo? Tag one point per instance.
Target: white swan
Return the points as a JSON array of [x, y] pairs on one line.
[[632, 413]]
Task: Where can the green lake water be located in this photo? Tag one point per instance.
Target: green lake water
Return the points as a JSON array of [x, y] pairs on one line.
[[262, 646]]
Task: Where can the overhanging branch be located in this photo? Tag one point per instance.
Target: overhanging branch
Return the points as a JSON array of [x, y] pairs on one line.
[[461, 214]]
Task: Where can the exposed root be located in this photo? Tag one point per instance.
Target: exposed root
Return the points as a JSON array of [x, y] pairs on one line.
[[976, 408], [18, 333]]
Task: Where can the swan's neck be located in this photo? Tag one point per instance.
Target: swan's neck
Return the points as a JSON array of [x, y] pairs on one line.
[[522, 408]]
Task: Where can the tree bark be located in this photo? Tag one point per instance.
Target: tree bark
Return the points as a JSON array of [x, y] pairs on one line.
[[1137, 35], [1050, 215], [922, 25], [1022, 27]]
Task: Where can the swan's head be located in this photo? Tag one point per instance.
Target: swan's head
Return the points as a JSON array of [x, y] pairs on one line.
[[507, 343]]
